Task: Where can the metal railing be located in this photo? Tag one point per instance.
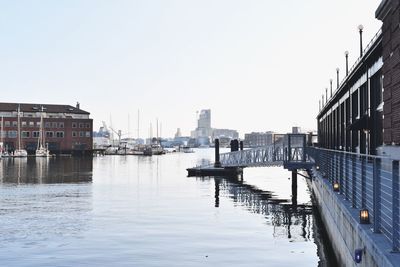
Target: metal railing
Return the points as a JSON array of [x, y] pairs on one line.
[[290, 148], [366, 181], [272, 155]]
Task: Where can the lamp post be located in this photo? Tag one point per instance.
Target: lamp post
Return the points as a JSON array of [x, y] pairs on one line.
[[346, 54], [360, 29], [337, 77], [326, 94]]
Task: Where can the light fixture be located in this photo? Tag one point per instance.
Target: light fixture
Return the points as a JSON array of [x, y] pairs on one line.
[[336, 186], [358, 255], [317, 168], [364, 216]]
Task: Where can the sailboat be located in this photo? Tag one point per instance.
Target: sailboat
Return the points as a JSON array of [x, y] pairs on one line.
[[19, 152], [41, 150]]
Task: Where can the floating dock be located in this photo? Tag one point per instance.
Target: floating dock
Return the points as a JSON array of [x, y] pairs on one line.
[[214, 171]]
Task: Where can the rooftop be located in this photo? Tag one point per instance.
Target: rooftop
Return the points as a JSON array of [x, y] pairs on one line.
[[50, 108]]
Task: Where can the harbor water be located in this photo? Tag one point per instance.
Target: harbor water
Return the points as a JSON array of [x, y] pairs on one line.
[[145, 211]]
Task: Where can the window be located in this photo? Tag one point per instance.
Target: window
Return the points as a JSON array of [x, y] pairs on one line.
[[81, 134], [35, 134], [12, 134], [14, 124], [25, 134], [81, 125], [74, 125], [23, 123], [87, 134], [38, 124], [31, 124], [7, 123], [54, 124], [49, 134], [47, 124], [3, 134], [87, 125], [61, 125], [60, 134], [74, 134]]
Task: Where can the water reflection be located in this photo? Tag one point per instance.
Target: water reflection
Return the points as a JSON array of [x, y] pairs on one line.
[[44, 199], [296, 222], [33, 170], [289, 219]]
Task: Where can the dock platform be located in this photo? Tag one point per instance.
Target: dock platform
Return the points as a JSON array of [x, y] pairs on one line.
[[214, 171]]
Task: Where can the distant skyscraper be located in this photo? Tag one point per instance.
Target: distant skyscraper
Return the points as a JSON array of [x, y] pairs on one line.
[[204, 119], [178, 133], [203, 125]]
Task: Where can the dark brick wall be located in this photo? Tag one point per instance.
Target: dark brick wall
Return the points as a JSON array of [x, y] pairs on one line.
[[391, 72]]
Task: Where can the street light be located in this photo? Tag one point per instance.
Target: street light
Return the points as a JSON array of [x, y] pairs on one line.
[[346, 54], [326, 94], [360, 29], [337, 77]]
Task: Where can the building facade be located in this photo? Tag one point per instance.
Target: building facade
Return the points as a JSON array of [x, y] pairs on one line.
[[256, 139], [203, 125], [67, 129], [363, 114]]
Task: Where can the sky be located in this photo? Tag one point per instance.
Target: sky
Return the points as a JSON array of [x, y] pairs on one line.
[[259, 65]]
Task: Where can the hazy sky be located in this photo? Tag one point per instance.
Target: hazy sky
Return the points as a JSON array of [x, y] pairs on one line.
[[258, 65]]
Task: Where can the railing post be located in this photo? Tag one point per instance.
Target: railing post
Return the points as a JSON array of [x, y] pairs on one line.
[[346, 176], [364, 182], [395, 205], [353, 182], [304, 148], [289, 149], [341, 180], [377, 195]]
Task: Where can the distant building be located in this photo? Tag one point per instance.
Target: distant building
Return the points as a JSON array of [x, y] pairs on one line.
[[178, 133], [67, 129], [203, 125], [227, 133], [296, 130], [204, 134], [256, 139]]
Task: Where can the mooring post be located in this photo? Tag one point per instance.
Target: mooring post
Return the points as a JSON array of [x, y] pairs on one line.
[[217, 163], [294, 187], [241, 145]]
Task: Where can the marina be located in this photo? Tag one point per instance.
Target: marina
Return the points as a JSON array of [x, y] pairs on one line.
[[71, 205]]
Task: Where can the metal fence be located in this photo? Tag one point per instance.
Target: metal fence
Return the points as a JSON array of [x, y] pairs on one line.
[[286, 148], [366, 181], [271, 155]]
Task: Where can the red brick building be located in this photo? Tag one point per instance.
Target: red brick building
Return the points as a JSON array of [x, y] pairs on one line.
[[67, 129]]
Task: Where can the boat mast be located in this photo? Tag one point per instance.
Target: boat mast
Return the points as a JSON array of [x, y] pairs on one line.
[[41, 139], [19, 128], [1, 134], [138, 119]]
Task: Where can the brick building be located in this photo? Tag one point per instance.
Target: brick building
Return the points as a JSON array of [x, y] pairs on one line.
[[389, 13], [256, 139], [67, 129]]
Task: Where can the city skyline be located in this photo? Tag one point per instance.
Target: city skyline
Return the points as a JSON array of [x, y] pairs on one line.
[[172, 58]]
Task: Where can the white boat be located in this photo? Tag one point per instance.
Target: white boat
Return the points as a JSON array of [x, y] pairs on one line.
[[187, 149], [41, 150], [19, 153], [3, 152]]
